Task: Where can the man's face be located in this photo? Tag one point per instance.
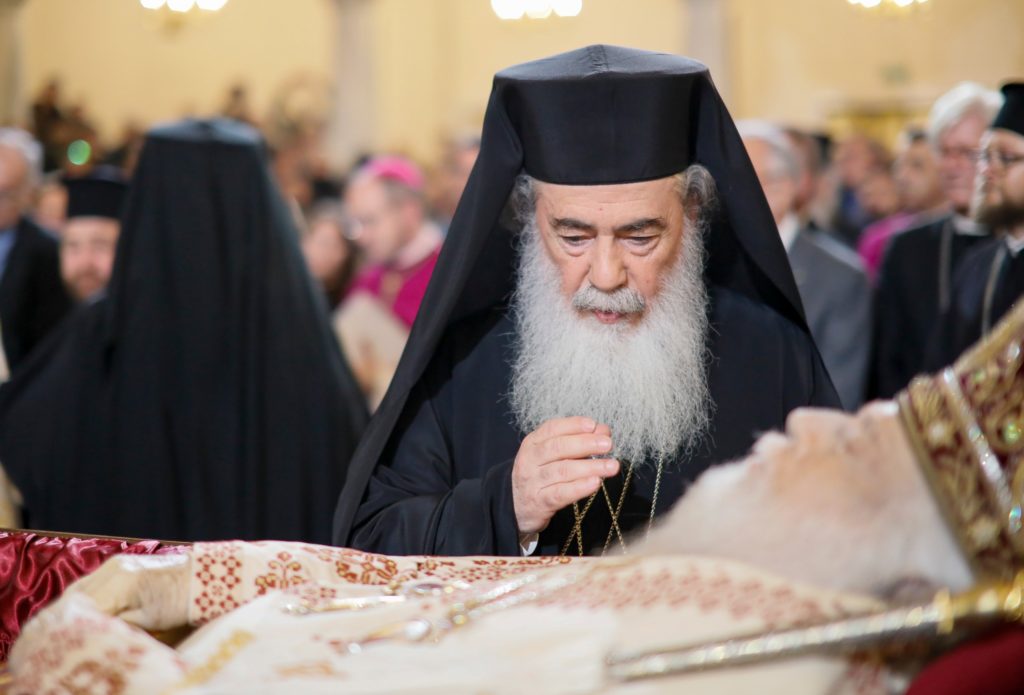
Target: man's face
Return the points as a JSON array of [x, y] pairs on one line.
[[917, 177], [999, 188], [51, 207], [807, 502], [879, 194], [780, 188], [611, 237], [325, 250], [830, 444], [382, 226], [455, 176], [957, 149], [87, 254], [14, 189], [854, 160]]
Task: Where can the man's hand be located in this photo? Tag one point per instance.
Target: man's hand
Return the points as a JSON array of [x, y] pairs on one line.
[[149, 591], [554, 468]]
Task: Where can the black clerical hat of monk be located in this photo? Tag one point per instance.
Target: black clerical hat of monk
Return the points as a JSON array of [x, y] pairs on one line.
[[100, 193], [595, 115], [1011, 115]]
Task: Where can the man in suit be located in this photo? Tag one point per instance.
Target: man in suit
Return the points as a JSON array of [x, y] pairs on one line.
[[833, 286], [32, 296]]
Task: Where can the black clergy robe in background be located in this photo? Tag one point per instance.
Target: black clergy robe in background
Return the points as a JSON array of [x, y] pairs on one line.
[[33, 299], [443, 486], [914, 288], [205, 396], [987, 284]]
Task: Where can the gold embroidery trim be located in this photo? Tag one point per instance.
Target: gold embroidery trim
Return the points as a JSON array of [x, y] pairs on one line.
[[991, 468], [955, 521]]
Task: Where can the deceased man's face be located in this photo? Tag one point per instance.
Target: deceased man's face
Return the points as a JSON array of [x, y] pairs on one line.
[[836, 499]]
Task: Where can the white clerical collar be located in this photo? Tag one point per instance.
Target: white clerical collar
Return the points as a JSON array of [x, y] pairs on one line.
[[966, 226], [789, 227], [1014, 244]]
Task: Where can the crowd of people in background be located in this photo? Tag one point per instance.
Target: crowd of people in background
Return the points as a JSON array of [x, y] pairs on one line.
[[875, 236]]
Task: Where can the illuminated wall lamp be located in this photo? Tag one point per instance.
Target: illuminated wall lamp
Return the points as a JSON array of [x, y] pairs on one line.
[[536, 9]]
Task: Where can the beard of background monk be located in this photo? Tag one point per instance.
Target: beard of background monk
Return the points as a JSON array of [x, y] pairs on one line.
[[646, 380], [1000, 216], [997, 210]]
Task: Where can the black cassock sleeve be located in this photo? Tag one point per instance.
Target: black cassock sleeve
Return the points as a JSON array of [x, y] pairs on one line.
[[443, 483]]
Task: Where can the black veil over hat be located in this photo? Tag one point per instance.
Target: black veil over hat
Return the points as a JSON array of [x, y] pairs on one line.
[[596, 115], [205, 397]]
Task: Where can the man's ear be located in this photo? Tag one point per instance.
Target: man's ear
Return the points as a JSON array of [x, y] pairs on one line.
[[691, 212]]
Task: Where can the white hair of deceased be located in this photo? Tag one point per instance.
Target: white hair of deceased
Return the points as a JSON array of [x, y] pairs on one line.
[[647, 381], [965, 99], [31, 152]]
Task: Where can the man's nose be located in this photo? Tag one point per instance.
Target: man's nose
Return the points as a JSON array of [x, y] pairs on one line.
[[810, 421], [985, 169], [607, 269]]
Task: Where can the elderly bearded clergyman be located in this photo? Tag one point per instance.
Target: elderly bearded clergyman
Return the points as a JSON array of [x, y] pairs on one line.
[[567, 379]]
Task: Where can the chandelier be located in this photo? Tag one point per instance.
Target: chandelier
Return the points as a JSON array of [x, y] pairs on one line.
[[886, 4], [536, 9], [184, 5]]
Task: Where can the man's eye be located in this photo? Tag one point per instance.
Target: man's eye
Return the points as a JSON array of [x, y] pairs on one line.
[[640, 240], [574, 240]]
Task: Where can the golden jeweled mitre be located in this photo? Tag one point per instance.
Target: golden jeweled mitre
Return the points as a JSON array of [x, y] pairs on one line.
[[966, 424]]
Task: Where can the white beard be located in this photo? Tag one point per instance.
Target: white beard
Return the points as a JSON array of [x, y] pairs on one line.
[[647, 381]]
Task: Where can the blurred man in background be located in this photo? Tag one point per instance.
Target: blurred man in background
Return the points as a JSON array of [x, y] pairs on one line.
[[32, 296], [385, 206], [811, 148], [856, 159], [384, 201], [330, 256], [832, 285], [922, 198], [459, 158], [90, 232]]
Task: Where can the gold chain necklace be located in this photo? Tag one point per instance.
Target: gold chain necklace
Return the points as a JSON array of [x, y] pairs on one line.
[[614, 530]]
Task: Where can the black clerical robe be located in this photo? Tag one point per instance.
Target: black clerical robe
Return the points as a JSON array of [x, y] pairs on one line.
[[204, 397], [443, 484], [987, 284], [914, 287], [32, 296]]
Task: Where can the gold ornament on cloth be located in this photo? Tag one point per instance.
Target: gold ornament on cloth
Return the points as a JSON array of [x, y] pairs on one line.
[[966, 425]]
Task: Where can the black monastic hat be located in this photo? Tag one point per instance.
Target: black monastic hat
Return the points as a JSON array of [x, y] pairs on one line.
[[100, 193], [1011, 115]]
